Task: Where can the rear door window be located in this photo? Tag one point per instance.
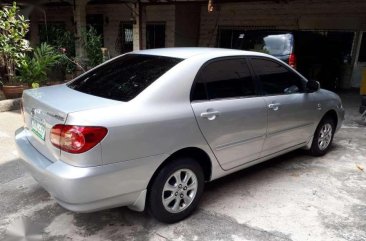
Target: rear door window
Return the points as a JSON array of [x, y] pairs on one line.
[[227, 78], [276, 79], [124, 78]]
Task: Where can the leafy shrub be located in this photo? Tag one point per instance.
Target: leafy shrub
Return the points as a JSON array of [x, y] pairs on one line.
[[13, 45], [92, 44], [33, 68]]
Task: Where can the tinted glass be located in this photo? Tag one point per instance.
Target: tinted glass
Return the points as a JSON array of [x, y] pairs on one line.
[[276, 79], [225, 79], [125, 77], [199, 91]]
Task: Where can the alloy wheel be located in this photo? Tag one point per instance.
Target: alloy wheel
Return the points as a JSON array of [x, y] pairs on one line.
[[179, 190], [325, 136]]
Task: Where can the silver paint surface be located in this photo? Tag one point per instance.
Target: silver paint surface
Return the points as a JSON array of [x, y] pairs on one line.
[[160, 121]]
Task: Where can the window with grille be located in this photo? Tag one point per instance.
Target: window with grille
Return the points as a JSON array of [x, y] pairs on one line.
[[124, 42]]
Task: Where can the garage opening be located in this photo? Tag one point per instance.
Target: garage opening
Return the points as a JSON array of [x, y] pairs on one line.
[[324, 56]]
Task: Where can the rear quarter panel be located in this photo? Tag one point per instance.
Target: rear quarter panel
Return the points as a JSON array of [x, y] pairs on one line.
[[140, 131]]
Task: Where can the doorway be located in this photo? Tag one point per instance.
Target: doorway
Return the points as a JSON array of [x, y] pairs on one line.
[[155, 35], [96, 21]]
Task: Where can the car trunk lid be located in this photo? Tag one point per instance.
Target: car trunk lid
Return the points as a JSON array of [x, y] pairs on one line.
[[48, 106]]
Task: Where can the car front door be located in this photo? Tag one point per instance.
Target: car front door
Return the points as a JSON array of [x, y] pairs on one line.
[[290, 109], [230, 114]]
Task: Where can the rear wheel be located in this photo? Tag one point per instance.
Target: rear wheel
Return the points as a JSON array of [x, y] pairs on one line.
[[176, 190], [323, 137]]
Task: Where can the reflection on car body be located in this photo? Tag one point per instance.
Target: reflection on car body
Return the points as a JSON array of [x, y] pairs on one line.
[[149, 128]]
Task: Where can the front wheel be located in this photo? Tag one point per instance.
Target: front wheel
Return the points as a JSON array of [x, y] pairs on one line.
[[323, 137], [176, 190]]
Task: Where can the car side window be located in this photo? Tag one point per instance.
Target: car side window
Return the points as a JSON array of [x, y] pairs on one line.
[[226, 78], [276, 79]]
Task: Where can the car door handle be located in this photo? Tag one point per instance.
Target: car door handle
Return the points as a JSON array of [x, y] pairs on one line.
[[274, 106], [211, 115]]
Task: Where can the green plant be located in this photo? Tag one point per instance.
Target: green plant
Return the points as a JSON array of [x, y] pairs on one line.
[[33, 68], [92, 44], [13, 45], [63, 40]]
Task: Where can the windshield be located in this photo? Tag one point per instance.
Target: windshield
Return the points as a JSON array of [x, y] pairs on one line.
[[124, 77]]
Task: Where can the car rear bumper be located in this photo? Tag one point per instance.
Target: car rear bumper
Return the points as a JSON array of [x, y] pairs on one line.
[[87, 189]]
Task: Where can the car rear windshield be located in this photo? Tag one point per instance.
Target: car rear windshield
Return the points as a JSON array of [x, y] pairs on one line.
[[125, 77]]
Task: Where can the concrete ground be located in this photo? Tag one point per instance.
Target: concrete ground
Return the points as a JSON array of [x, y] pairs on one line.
[[292, 197]]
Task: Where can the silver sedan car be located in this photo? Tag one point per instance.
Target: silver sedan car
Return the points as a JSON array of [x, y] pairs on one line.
[[147, 129]]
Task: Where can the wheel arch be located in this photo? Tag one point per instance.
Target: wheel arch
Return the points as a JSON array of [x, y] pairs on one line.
[[331, 114], [198, 154]]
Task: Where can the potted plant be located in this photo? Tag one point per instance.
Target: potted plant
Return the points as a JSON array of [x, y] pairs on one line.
[[13, 46], [33, 68], [92, 43], [64, 41]]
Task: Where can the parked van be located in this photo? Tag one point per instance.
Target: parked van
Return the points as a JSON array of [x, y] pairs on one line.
[[279, 45]]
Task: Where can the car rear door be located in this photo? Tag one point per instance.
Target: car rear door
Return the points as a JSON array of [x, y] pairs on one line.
[[290, 108], [230, 114]]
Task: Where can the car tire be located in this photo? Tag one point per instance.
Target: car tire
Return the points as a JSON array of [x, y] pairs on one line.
[[176, 190], [323, 137]]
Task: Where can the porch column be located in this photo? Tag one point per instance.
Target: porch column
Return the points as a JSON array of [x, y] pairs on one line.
[[80, 24], [137, 26]]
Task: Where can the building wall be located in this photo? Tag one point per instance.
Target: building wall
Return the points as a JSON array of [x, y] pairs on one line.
[[159, 13], [187, 22], [191, 24], [348, 15], [113, 15], [300, 14]]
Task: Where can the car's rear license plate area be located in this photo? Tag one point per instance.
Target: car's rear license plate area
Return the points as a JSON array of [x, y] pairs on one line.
[[38, 129]]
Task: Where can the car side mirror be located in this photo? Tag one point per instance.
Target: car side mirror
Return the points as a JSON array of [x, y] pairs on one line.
[[312, 86]]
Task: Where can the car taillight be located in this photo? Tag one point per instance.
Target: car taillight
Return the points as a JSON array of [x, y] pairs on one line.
[[292, 60], [76, 139]]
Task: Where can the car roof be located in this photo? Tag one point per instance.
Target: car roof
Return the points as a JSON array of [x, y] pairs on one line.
[[186, 53]]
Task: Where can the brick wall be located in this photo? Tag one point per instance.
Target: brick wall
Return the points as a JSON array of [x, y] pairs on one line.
[[300, 14]]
